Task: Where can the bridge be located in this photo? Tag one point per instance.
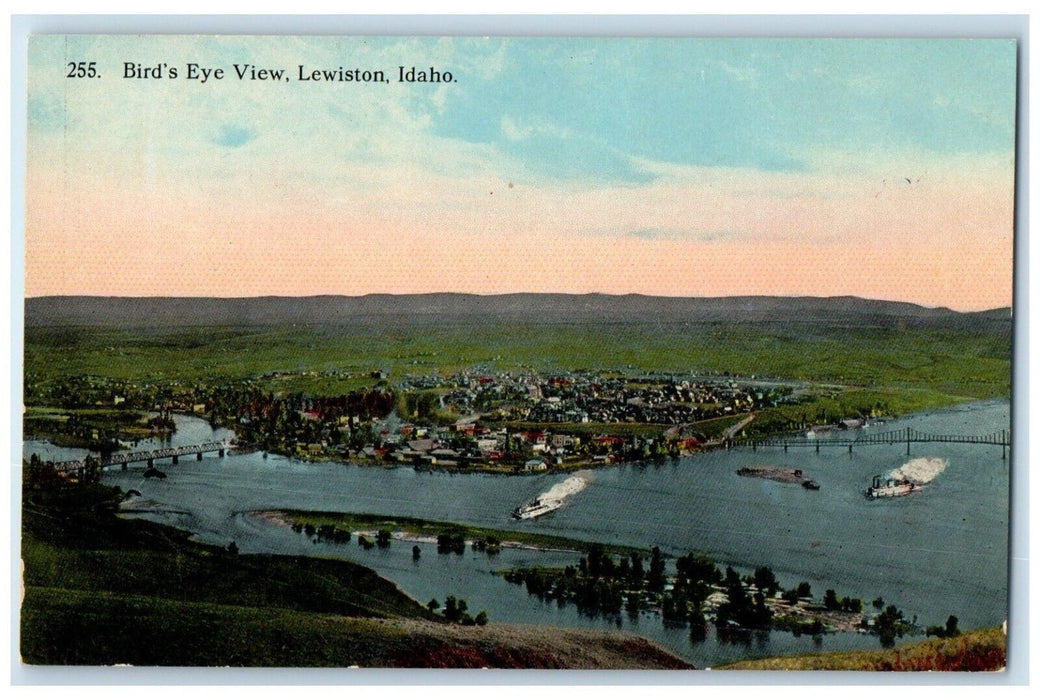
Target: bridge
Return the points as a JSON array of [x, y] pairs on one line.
[[890, 437], [124, 459]]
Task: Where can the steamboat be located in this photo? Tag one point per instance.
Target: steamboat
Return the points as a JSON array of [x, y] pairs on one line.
[[890, 488]]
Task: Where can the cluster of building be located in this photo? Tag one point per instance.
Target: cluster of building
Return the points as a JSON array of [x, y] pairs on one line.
[[552, 409], [468, 443], [589, 397]]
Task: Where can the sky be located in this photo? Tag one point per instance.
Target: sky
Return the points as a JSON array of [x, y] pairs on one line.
[[676, 167]]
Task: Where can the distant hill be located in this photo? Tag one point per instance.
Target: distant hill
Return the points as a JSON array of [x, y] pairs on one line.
[[463, 308]]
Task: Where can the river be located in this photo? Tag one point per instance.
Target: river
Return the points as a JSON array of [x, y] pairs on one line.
[[935, 553]]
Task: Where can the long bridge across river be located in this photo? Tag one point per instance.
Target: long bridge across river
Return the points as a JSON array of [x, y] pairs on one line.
[[124, 459], [889, 437]]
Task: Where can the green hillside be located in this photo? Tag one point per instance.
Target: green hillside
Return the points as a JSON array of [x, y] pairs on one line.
[[101, 590]]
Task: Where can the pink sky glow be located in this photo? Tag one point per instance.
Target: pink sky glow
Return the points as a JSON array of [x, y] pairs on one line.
[[938, 242]]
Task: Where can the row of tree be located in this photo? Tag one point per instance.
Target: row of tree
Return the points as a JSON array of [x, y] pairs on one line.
[[599, 584], [40, 474], [456, 610]]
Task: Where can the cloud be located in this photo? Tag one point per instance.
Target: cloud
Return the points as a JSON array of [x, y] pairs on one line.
[[47, 113], [665, 234], [517, 129], [233, 136], [513, 131], [603, 150], [742, 74]]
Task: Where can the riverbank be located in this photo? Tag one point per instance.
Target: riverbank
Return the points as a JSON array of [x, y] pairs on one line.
[[427, 531], [100, 590], [796, 615], [669, 443]]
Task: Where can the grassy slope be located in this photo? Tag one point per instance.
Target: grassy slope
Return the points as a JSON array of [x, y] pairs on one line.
[[981, 650], [103, 590], [103, 628]]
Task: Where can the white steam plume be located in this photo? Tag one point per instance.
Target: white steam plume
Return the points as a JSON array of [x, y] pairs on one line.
[[568, 487], [920, 470]]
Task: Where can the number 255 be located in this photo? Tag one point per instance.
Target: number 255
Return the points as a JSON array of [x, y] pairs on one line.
[[82, 69]]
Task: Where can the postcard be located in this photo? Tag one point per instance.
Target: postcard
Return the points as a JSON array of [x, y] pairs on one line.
[[518, 352]]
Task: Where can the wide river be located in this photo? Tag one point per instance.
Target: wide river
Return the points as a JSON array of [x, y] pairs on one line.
[[935, 553]]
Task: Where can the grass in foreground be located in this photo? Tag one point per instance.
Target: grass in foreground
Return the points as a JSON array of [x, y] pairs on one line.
[[101, 590], [979, 650], [105, 628]]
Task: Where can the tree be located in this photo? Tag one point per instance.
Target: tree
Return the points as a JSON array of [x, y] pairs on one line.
[[766, 581], [454, 609], [853, 605], [632, 604], [655, 576], [675, 607], [91, 470], [482, 618], [738, 607], [433, 605], [830, 600], [416, 552], [951, 626], [37, 472], [637, 569], [696, 571], [595, 560], [698, 625], [889, 625]]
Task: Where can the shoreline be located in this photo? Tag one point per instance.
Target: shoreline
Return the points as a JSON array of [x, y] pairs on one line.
[[594, 464], [501, 470], [281, 518]]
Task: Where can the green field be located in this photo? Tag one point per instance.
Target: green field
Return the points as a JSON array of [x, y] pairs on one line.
[[852, 371], [950, 362]]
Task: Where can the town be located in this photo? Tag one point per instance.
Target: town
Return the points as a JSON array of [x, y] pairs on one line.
[[474, 419]]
